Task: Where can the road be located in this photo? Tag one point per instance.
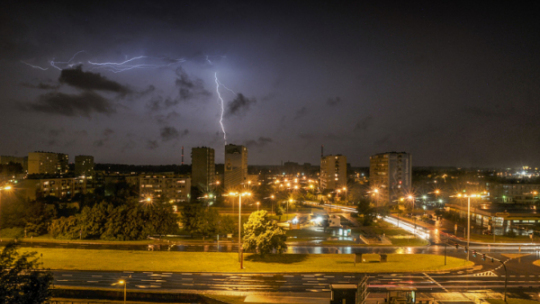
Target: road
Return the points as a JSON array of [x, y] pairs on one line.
[[521, 274]]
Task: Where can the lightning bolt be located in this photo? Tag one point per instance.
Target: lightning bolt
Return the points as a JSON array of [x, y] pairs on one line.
[[34, 66], [114, 67], [222, 109]]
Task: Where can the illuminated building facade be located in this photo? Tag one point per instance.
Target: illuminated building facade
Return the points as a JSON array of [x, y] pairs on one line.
[[84, 165], [391, 174], [47, 163], [165, 188], [333, 172], [203, 168], [236, 166]]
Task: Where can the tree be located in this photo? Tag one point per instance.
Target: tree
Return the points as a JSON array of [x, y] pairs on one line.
[[263, 234], [366, 211], [279, 212], [20, 279]]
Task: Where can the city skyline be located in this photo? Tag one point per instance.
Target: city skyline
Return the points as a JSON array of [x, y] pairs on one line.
[[451, 84]]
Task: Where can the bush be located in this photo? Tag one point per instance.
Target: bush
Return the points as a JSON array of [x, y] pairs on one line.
[[14, 233]]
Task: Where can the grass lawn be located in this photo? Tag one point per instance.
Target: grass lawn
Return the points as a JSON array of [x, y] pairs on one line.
[[512, 301], [114, 260], [49, 239]]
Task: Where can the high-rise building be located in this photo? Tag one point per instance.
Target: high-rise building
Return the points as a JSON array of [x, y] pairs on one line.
[[391, 174], [333, 172], [84, 165], [236, 166], [203, 168], [47, 163]]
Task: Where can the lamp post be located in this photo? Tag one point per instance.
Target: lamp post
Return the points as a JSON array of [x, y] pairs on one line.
[[6, 188], [411, 197], [240, 257], [258, 203], [469, 224], [290, 200], [123, 282], [377, 201]]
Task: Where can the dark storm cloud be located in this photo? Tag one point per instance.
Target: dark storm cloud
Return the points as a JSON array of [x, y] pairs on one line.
[[83, 104], [76, 77], [170, 133], [189, 87], [495, 111], [303, 111], [41, 86], [240, 105], [108, 132], [54, 135], [383, 140], [152, 144], [258, 143], [333, 101], [157, 103], [56, 132], [364, 124], [105, 137]]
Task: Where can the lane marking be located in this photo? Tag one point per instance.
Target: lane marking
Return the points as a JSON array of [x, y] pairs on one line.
[[432, 280]]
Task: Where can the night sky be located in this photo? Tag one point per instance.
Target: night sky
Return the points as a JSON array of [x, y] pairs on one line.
[[133, 82]]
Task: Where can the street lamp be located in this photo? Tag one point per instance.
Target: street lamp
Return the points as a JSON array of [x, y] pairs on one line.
[[240, 257], [6, 188], [123, 282], [469, 222], [411, 197], [289, 201], [377, 193]]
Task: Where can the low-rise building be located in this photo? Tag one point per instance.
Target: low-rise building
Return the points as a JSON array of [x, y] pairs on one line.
[[64, 188], [6, 159], [520, 193], [167, 188]]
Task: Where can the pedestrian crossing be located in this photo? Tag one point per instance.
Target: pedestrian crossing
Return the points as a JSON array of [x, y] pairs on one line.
[[485, 274]]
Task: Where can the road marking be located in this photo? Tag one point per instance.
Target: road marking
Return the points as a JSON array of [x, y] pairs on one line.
[[92, 281], [97, 276], [432, 280], [63, 280], [186, 273]]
